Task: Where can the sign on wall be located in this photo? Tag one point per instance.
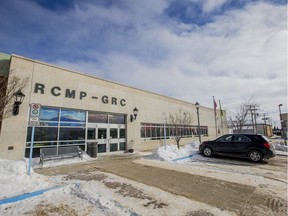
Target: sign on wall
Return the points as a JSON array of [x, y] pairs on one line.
[[34, 114]]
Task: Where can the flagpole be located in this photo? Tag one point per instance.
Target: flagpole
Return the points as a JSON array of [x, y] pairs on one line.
[[221, 113], [215, 116]]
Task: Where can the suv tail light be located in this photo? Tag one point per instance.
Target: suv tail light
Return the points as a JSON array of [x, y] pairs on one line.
[[267, 145]]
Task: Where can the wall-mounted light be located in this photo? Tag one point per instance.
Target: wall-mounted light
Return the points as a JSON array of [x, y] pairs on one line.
[[19, 97], [134, 115]]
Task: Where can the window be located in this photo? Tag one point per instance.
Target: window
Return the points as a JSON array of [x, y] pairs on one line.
[[122, 133], [43, 134], [72, 134], [114, 133], [91, 133], [116, 119], [58, 126], [102, 134], [227, 138], [96, 117], [240, 138], [156, 131]]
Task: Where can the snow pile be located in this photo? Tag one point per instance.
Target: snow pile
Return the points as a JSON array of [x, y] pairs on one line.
[[172, 154], [14, 179]]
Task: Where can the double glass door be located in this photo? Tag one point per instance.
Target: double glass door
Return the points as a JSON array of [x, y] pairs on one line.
[[109, 137]]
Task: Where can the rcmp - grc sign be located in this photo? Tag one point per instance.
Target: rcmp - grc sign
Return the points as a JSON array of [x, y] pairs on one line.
[[34, 114]]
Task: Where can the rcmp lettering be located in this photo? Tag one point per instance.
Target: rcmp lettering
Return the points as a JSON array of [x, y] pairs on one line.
[[57, 91]]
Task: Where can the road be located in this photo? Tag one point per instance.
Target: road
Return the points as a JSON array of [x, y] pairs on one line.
[[239, 198]]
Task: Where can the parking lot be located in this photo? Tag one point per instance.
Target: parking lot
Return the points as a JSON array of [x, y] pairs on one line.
[[234, 185]]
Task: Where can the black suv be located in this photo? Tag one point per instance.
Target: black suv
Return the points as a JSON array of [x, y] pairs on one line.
[[252, 146]]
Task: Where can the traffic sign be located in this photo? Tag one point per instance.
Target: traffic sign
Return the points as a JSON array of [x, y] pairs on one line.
[[33, 121], [35, 110]]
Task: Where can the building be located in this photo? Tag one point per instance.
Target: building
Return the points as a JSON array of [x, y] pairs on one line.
[[79, 109], [284, 120], [263, 129]]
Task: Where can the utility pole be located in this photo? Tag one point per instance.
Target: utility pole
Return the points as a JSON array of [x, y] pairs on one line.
[[253, 108], [265, 118]]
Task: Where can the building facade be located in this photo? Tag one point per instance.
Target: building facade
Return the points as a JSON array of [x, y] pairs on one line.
[[78, 109], [284, 129]]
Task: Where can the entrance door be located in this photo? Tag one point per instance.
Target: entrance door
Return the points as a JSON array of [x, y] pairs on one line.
[[109, 137]]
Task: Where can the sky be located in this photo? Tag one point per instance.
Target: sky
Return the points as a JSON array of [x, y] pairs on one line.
[[191, 50]]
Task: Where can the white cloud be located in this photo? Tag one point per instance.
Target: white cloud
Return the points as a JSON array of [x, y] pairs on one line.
[[210, 5], [242, 53]]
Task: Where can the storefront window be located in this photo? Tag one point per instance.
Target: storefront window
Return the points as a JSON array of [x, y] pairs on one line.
[[43, 134], [102, 133], [68, 127], [91, 133], [72, 134], [152, 131], [113, 147], [114, 133], [116, 119], [122, 133], [49, 114], [96, 117]]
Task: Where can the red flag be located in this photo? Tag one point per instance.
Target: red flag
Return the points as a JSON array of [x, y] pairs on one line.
[[215, 104]]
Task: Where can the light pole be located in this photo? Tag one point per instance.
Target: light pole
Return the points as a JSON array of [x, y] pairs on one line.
[[164, 120], [197, 107], [281, 123]]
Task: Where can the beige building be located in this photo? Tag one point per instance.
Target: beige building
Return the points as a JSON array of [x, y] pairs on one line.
[[79, 109]]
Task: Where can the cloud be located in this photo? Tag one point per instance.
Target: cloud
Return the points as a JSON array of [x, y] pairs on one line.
[[211, 5], [231, 52]]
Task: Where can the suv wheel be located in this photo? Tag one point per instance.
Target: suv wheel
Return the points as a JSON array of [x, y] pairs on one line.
[[207, 151], [255, 156]]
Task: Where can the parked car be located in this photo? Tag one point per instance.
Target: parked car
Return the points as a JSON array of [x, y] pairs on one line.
[[251, 146]]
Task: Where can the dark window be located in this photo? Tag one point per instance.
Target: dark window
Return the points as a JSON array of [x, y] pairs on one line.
[[102, 134], [122, 133], [240, 138], [43, 134], [122, 146], [227, 138], [113, 147], [91, 133], [101, 148], [72, 134], [114, 133]]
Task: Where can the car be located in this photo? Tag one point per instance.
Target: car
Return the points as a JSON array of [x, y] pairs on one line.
[[252, 146]]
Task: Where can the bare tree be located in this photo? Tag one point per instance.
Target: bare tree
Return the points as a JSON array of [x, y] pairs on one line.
[[240, 120], [8, 87], [178, 121]]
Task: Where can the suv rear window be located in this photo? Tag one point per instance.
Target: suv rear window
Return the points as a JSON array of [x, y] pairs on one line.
[[265, 138]]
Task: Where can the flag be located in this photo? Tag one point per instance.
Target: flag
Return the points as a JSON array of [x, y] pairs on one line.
[[215, 115], [215, 104], [221, 111]]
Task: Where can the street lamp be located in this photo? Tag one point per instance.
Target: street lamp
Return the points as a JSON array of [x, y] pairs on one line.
[[164, 120], [281, 123], [197, 107], [134, 115], [19, 97]]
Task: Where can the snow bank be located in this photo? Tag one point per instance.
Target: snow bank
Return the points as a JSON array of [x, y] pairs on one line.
[[172, 154], [14, 179]]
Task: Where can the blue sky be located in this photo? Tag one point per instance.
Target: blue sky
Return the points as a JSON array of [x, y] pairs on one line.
[[186, 49]]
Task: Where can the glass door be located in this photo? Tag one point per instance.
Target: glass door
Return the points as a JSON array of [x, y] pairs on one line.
[[102, 134], [108, 130]]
